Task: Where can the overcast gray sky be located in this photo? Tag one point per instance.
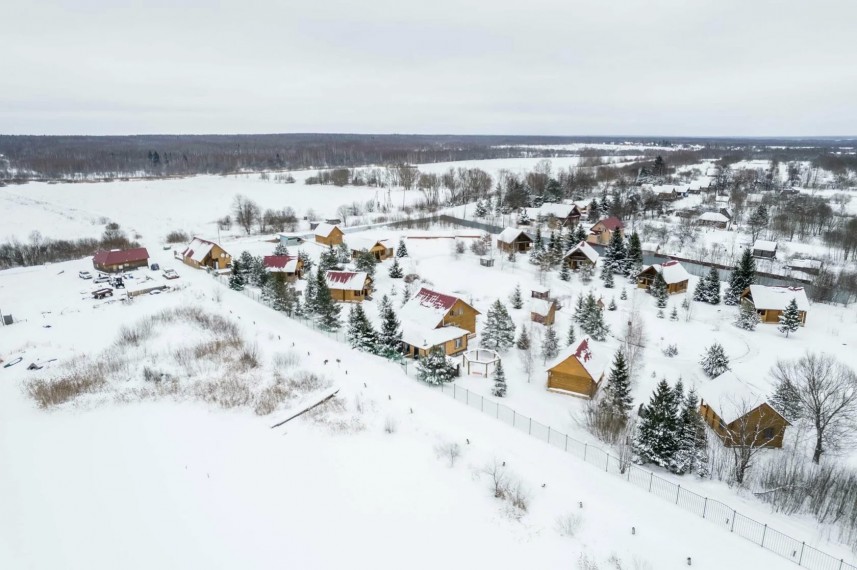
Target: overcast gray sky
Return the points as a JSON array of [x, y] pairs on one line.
[[567, 67]]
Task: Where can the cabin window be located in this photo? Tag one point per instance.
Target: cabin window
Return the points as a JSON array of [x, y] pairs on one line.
[[768, 433], [358, 293], [458, 343]]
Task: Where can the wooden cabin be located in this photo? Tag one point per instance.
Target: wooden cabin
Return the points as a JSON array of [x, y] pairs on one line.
[[580, 255], [514, 239], [287, 267], [538, 292], [380, 248], [576, 371], [349, 286], [602, 232], [431, 309], [560, 215], [738, 415], [204, 253], [770, 302], [418, 341], [713, 220], [673, 273], [328, 234], [120, 259], [765, 249], [543, 311]]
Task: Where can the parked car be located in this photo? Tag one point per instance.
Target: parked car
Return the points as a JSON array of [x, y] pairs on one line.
[[101, 279], [128, 275], [170, 274], [155, 292], [155, 267], [84, 275]]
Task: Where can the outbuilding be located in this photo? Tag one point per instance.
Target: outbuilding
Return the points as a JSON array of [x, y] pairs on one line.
[[120, 259], [576, 370], [580, 255], [328, 234], [770, 302], [673, 273], [349, 286], [765, 249]]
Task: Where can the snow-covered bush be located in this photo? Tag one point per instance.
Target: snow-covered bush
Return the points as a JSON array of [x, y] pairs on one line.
[[569, 524]]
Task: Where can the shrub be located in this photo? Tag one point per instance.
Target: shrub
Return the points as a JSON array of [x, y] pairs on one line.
[[568, 524], [177, 236]]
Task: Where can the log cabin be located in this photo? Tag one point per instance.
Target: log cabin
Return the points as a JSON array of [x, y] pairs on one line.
[[204, 253], [770, 302], [543, 311], [576, 370], [328, 234], [602, 231], [713, 220], [349, 286], [765, 249], [287, 267], [580, 255], [380, 248], [560, 215], [514, 239], [673, 273], [432, 309], [120, 259]]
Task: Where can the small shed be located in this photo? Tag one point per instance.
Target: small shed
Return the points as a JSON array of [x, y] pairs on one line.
[[543, 311], [673, 273], [539, 292], [328, 234], [713, 220], [291, 239], [770, 302], [349, 286], [514, 239], [765, 249], [576, 370], [486, 261]]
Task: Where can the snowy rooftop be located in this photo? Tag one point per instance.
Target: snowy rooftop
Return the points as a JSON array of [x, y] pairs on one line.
[[713, 217], [732, 396], [510, 235], [672, 272], [586, 250], [197, 249], [805, 264], [612, 223], [427, 308], [764, 245], [358, 243], [776, 298], [117, 256], [280, 263], [557, 210], [419, 336], [324, 229], [582, 351], [540, 307], [346, 280]]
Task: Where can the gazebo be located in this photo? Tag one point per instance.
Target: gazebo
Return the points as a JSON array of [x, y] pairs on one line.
[[480, 361]]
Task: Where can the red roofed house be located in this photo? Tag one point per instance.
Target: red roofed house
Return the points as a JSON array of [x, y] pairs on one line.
[[603, 230], [121, 259], [432, 319], [204, 253], [288, 267], [349, 286], [576, 370]]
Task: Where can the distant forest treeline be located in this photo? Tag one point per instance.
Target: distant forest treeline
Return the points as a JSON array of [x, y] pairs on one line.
[[65, 157]]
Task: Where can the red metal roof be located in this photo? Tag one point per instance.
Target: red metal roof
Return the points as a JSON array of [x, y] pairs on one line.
[[435, 299], [119, 256], [277, 261], [583, 352], [612, 223]]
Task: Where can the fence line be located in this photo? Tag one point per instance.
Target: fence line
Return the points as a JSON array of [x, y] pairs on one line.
[[712, 510]]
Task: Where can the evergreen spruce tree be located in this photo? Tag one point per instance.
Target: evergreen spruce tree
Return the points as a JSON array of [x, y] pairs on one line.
[[660, 314], [516, 299], [623, 295], [580, 235], [586, 273], [481, 209], [659, 291], [247, 261], [343, 253], [402, 250], [499, 330], [748, 318], [236, 279], [435, 369], [657, 438], [570, 240], [396, 269], [617, 254], [499, 389], [306, 261], [708, 288], [592, 320], [579, 309], [329, 259], [258, 274], [692, 453], [674, 314], [272, 292], [571, 338], [743, 275], [607, 277], [360, 333], [390, 335], [790, 318], [326, 309], [289, 301], [310, 304], [523, 342], [366, 262], [786, 400], [565, 272], [618, 392], [594, 211], [635, 251], [550, 344], [281, 249], [714, 362], [537, 251], [612, 306]]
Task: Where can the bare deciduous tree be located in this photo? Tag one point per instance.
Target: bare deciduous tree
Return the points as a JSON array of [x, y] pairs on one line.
[[826, 391], [246, 211]]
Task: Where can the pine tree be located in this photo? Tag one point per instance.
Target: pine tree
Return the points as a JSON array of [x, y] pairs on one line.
[[481, 209], [708, 288], [743, 275], [499, 389], [660, 314], [281, 249], [499, 330], [328, 259], [692, 453], [310, 304], [571, 338], [390, 335], [258, 274], [618, 391], [516, 299], [592, 319], [580, 235], [537, 251], [616, 253], [674, 314], [236, 279], [659, 291], [635, 251], [790, 318], [714, 362], [607, 277], [289, 300], [402, 250], [247, 261], [579, 309], [748, 318], [787, 400], [306, 262], [366, 262], [612, 306], [326, 309], [343, 253], [435, 369], [523, 342], [657, 438], [594, 211], [623, 295], [565, 272], [360, 333], [396, 269], [550, 344]]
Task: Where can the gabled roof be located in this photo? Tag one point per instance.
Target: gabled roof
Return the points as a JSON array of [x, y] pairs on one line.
[[428, 308], [346, 280], [358, 243], [324, 229], [777, 298], [280, 263], [511, 235], [559, 210], [198, 249], [713, 217], [429, 337], [120, 256], [541, 307], [583, 353], [764, 245], [672, 271], [731, 397], [586, 250], [612, 223]]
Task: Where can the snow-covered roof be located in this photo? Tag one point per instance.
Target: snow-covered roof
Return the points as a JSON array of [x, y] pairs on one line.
[[557, 210], [582, 351], [776, 298], [118, 256], [346, 280], [586, 250], [423, 337], [713, 217], [612, 223], [764, 245], [510, 235], [541, 307], [358, 243], [805, 264], [732, 396], [672, 271], [540, 289], [427, 308], [323, 229], [280, 263], [198, 249]]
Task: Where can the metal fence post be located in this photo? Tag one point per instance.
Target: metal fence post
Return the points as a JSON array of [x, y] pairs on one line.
[[530, 429], [467, 396], [514, 417], [677, 493], [566, 442], [734, 512], [802, 544], [549, 434], [498, 412], [482, 404], [704, 507], [764, 532], [585, 447], [651, 477]]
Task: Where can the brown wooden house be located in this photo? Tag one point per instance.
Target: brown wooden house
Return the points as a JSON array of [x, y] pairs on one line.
[[580, 255], [418, 341], [349, 286], [432, 309], [560, 215], [543, 311], [514, 239], [673, 273], [204, 253], [602, 232], [380, 248], [576, 371], [120, 259], [287, 267], [328, 234], [770, 302]]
